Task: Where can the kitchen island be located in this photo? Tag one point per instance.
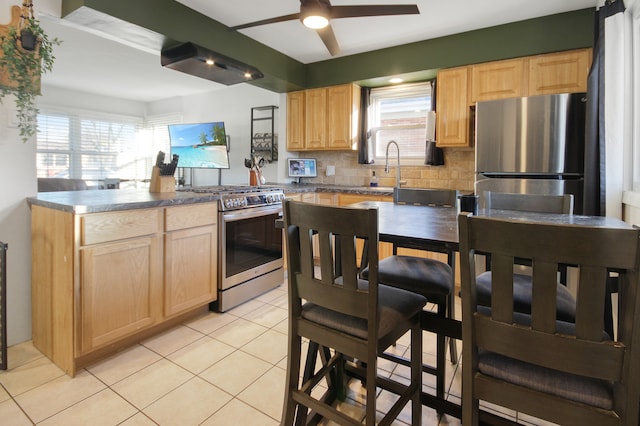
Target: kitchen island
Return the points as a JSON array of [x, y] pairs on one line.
[[113, 267], [110, 268]]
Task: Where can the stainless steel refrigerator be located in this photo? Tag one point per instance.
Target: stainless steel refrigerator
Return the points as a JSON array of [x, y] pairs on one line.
[[531, 145]]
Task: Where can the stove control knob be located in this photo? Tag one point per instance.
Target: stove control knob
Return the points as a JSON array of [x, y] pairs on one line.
[[269, 198], [243, 202], [228, 203]]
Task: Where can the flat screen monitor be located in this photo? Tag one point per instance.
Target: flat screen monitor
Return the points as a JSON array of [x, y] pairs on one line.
[[200, 145], [302, 167]]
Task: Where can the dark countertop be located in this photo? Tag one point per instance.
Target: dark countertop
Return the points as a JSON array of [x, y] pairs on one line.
[[94, 201], [343, 189]]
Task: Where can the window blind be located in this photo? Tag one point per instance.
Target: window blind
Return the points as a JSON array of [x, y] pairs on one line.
[[94, 146]]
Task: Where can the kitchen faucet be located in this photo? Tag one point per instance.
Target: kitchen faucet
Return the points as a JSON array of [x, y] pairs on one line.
[[399, 182]]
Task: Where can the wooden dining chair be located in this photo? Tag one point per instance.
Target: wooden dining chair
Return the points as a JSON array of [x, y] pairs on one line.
[[357, 319], [562, 204], [431, 278], [566, 373]]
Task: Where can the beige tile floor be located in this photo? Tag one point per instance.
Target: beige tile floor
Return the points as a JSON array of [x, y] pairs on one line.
[[220, 369]]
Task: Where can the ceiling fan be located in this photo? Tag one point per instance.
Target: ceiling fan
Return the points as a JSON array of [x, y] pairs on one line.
[[316, 14]]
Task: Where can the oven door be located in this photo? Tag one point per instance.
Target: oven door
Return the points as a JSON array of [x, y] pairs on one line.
[[250, 244]]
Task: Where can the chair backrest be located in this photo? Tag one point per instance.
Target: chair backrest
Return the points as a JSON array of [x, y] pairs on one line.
[[528, 202], [425, 197], [543, 341], [306, 222], [61, 184]]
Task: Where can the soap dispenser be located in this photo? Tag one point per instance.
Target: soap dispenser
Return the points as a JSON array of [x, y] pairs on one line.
[[374, 180]]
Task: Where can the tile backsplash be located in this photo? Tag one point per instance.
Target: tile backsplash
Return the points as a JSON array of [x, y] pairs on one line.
[[456, 173]]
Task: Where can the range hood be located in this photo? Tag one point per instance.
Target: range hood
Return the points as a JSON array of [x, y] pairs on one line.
[[202, 62]]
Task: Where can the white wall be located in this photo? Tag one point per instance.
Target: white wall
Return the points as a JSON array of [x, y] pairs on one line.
[[233, 106], [17, 181]]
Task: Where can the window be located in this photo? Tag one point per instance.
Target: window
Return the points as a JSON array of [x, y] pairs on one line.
[[95, 146], [399, 113]]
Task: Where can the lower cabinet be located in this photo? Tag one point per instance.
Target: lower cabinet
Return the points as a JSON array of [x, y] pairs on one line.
[[120, 290], [190, 269], [102, 281]]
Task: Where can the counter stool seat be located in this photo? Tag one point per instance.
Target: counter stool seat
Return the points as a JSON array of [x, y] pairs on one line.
[[419, 275], [432, 279]]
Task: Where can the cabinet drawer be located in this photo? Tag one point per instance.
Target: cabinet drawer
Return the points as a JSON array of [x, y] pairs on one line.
[[190, 216], [102, 227]]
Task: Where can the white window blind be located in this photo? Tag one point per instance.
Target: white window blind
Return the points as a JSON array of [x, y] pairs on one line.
[[94, 146], [399, 113]]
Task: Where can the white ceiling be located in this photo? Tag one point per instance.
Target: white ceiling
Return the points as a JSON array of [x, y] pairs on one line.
[[90, 61]]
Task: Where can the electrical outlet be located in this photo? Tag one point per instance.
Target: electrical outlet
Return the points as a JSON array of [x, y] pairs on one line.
[[331, 170]]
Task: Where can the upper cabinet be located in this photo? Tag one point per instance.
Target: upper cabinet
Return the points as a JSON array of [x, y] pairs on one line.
[[295, 121], [498, 80], [460, 88], [452, 111], [323, 119], [315, 124], [564, 72]]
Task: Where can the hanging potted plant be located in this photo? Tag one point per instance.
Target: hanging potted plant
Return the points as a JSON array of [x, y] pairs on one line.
[[23, 64]]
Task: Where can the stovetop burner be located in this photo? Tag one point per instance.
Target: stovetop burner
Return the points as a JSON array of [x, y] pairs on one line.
[[231, 189], [237, 197]]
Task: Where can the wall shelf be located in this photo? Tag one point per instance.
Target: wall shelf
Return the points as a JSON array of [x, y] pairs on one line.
[[264, 140]]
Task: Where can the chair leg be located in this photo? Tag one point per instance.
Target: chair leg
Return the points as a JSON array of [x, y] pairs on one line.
[[451, 314], [416, 374], [293, 373], [440, 354]]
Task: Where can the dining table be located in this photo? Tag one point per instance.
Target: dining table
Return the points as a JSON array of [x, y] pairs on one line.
[[432, 228]]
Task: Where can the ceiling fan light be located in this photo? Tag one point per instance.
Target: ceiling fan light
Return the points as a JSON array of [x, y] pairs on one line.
[[315, 21], [315, 13]]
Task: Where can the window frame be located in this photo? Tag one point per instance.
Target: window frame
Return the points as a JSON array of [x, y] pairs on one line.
[[399, 92]]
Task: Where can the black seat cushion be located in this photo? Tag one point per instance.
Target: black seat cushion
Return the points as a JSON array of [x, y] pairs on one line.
[[522, 293], [577, 388], [396, 306], [417, 274]]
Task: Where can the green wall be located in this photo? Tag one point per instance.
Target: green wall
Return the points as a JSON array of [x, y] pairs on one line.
[[415, 61]]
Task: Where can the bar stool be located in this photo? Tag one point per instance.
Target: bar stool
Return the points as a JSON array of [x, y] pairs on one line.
[[522, 288], [430, 278], [358, 319]]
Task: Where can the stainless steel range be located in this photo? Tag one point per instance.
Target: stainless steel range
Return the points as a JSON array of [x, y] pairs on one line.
[[250, 245]]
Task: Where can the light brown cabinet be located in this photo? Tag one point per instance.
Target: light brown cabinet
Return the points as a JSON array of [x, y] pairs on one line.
[[452, 108], [295, 121], [323, 119], [315, 124], [563, 72], [120, 287], [460, 88], [102, 281], [498, 80], [191, 257]]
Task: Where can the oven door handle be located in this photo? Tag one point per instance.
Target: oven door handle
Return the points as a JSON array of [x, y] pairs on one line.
[[243, 214]]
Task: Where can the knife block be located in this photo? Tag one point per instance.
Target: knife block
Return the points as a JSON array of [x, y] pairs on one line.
[[161, 184]]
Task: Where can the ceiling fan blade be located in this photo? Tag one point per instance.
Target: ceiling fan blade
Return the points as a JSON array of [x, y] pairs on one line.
[[373, 10], [329, 39], [290, 17]]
